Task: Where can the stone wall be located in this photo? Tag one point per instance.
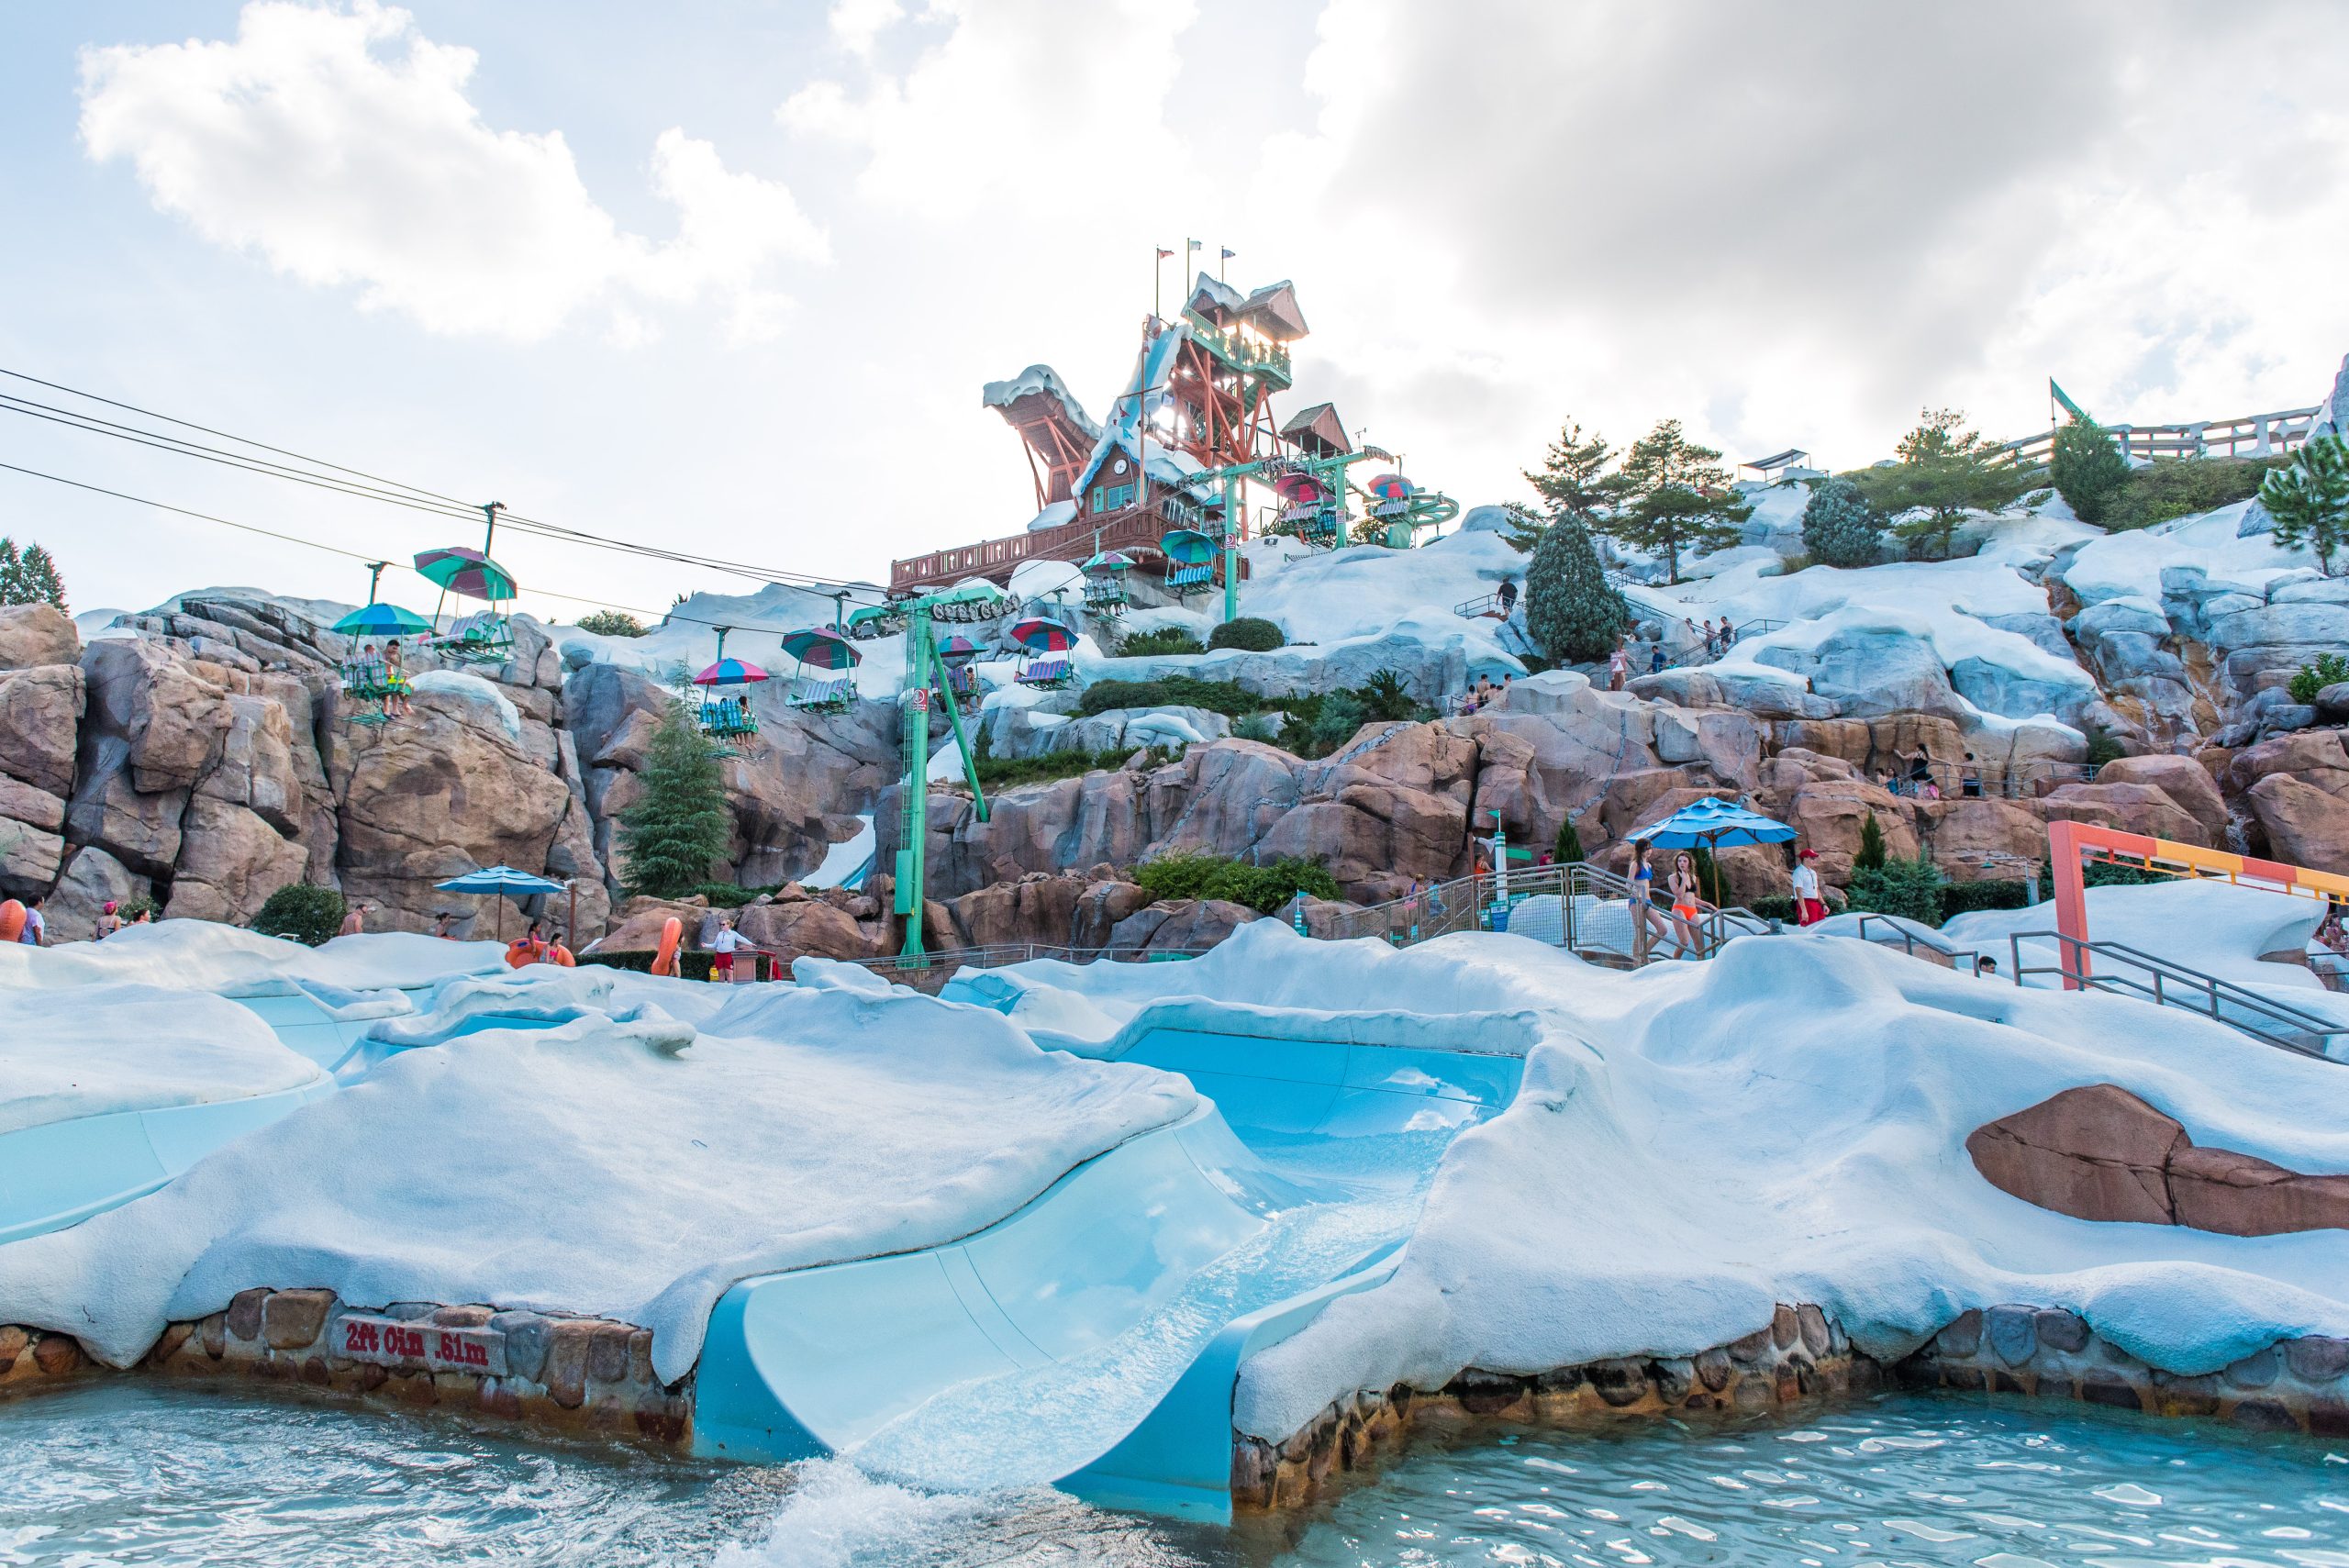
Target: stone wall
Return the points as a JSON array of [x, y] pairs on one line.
[[578, 1374], [2300, 1385], [1800, 1354]]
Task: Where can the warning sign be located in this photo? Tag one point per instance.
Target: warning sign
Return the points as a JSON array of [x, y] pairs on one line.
[[388, 1341]]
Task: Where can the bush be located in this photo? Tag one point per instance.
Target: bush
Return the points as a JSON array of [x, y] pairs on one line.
[[1003, 773], [1264, 888], [1319, 725], [1871, 855], [1779, 906], [1253, 633], [2166, 490], [1568, 847], [1911, 889], [1257, 727], [2087, 469], [2103, 747], [725, 894], [1171, 691], [610, 623], [1167, 640], [1839, 526], [302, 911], [1965, 897], [2329, 669]]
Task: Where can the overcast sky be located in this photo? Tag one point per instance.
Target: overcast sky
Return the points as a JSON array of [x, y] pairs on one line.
[[732, 273]]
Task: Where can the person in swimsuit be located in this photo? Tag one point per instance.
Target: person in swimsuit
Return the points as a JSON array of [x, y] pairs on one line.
[[1647, 920], [110, 922], [395, 703], [1687, 905]]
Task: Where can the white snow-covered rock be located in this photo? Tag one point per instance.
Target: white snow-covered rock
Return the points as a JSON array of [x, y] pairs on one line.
[[88, 1051]]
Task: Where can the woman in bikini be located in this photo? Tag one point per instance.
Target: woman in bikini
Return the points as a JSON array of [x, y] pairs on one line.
[[1687, 906], [1646, 918]]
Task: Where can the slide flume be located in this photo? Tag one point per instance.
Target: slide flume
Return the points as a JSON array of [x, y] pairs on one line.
[[1092, 1339]]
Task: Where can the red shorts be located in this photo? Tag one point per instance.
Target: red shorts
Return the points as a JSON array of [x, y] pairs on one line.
[[721, 963], [1811, 912]]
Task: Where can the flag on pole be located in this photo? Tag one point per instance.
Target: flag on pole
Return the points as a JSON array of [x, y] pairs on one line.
[[1164, 252], [1229, 254], [2074, 409]]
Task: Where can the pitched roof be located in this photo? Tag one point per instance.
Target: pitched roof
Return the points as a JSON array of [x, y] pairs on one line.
[[1273, 311], [1318, 430], [1777, 459]]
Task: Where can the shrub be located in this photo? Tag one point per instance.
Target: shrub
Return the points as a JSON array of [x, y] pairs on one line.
[[1571, 610], [1264, 888], [1171, 691], [725, 894], [1165, 640], [679, 825], [1965, 897], [2087, 469], [301, 911], [1839, 526], [2103, 747], [1257, 727], [2308, 499], [1568, 847], [1779, 906], [1253, 633], [1911, 889], [1003, 773], [2166, 490], [2329, 669], [610, 623], [1871, 855]]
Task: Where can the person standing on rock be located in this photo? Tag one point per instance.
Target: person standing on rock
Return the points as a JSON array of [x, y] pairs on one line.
[[1811, 901], [1509, 597], [1618, 663], [1647, 920], [1688, 904], [395, 703]]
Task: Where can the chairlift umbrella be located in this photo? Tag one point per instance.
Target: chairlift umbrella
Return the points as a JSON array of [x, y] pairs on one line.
[[1391, 487], [1040, 635], [822, 649], [1109, 561], [1713, 824], [956, 649], [1187, 545], [382, 620], [1299, 488], [495, 880], [467, 571], [731, 671]]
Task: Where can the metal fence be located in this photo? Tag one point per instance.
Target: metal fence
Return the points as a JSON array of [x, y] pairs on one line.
[[2132, 972], [930, 971]]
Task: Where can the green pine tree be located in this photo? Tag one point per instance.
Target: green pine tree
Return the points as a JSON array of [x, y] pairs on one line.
[[29, 578], [1944, 471], [1568, 849], [1573, 482], [2087, 469], [1839, 526], [1571, 609], [2309, 499], [678, 827], [1871, 855], [1677, 499], [1525, 527]]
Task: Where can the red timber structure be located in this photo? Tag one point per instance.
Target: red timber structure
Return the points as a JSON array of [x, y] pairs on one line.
[[1199, 399]]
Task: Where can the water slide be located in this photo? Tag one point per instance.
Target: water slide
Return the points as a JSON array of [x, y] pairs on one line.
[[1092, 1339]]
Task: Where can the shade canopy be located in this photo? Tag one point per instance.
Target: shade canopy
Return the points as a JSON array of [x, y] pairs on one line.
[[956, 649], [1298, 489], [1391, 487], [1714, 824], [1109, 561], [467, 571], [500, 878], [1187, 545], [822, 649], [1039, 635], [731, 671], [382, 620], [871, 614]]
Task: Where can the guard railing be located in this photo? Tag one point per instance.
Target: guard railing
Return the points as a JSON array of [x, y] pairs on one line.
[[2131, 971]]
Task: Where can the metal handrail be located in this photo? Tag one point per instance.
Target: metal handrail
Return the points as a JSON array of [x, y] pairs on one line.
[[2175, 985], [1910, 940]]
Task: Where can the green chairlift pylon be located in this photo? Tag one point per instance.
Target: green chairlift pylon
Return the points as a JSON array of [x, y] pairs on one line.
[[926, 683]]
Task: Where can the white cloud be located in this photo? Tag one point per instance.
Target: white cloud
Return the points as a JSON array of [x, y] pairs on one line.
[[340, 145], [858, 23]]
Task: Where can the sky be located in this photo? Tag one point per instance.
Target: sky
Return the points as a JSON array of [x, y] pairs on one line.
[[730, 279]]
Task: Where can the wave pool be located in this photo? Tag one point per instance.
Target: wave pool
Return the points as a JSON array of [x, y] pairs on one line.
[[136, 1473]]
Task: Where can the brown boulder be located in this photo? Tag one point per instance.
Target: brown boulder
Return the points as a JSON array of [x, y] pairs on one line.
[[2187, 782], [168, 719], [2098, 1152], [93, 878], [2127, 808], [803, 927], [40, 715], [1831, 813], [637, 924], [256, 767], [2237, 1194], [140, 831], [1186, 924], [1985, 840], [2304, 826], [231, 862], [32, 635], [29, 855]]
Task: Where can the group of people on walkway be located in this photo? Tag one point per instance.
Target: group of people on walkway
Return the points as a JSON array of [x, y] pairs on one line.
[[1920, 777]]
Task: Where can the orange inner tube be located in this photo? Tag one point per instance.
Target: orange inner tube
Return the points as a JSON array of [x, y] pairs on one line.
[[672, 932], [12, 920]]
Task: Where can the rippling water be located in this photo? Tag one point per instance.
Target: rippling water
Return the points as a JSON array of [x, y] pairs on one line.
[[131, 1472]]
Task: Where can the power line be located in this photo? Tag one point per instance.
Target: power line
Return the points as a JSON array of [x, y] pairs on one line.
[[435, 503], [671, 614]]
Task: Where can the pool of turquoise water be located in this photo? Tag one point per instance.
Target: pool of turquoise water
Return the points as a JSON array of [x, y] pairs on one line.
[[131, 1472]]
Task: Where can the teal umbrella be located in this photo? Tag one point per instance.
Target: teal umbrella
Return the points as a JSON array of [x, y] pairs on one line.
[[1715, 824], [382, 620]]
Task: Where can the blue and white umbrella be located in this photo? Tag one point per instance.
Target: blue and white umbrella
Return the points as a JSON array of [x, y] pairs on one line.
[[515, 885], [1713, 824]]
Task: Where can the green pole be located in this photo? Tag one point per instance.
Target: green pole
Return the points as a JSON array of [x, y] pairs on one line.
[[1230, 547], [915, 703]]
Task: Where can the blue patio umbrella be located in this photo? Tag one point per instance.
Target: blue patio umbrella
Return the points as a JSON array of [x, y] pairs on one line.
[[382, 621], [515, 885], [1714, 824]]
